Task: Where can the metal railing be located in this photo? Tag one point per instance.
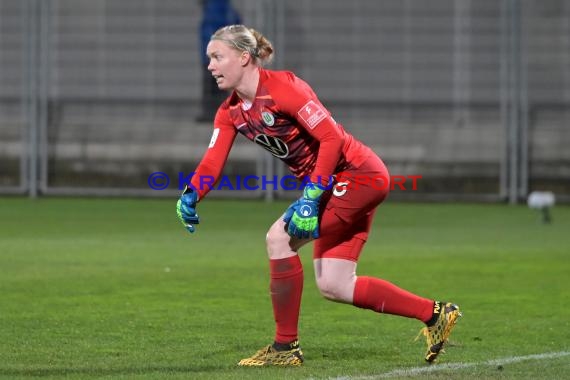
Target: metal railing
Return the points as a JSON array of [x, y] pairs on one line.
[[461, 91]]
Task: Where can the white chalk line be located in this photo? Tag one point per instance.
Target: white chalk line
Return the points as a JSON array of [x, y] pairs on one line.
[[414, 371]]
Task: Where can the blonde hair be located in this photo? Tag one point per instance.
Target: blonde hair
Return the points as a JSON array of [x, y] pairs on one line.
[[247, 39]]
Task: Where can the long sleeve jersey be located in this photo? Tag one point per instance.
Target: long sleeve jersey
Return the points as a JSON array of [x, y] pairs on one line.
[[287, 119]]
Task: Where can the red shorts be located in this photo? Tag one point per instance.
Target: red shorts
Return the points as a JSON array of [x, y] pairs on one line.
[[349, 209]]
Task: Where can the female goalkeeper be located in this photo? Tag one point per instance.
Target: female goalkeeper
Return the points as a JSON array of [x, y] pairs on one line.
[[347, 182]]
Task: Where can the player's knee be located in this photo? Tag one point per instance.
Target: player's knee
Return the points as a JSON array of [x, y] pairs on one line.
[[277, 241], [333, 290]]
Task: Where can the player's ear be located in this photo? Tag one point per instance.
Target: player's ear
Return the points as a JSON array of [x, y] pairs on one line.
[[245, 58]]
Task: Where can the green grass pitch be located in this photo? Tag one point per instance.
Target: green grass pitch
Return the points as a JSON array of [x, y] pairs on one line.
[[117, 289]]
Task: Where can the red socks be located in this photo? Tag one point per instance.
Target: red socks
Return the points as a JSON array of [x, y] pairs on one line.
[[369, 293], [286, 288], [385, 297]]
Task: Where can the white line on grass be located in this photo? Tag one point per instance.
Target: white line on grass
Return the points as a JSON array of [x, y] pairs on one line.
[[414, 371]]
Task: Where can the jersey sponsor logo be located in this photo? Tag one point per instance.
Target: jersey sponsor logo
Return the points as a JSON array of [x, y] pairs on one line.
[[268, 118], [312, 114], [214, 137], [273, 145]]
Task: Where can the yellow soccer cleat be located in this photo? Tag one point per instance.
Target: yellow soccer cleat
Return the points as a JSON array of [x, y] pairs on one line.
[[438, 332], [269, 355]]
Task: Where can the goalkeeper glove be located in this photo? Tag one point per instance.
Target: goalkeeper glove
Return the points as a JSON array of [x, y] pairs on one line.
[[186, 209], [302, 217]]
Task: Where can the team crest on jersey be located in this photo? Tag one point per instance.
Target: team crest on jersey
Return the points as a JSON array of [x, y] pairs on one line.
[[273, 145], [268, 118]]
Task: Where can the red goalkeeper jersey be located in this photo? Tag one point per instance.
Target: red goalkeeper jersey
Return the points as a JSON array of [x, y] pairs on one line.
[[287, 119]]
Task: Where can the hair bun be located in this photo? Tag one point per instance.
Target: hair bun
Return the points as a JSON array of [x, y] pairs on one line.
[[264, 50]]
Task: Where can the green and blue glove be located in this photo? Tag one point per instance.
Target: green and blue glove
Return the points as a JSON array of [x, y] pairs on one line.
[[302, 217], [186, 209]]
